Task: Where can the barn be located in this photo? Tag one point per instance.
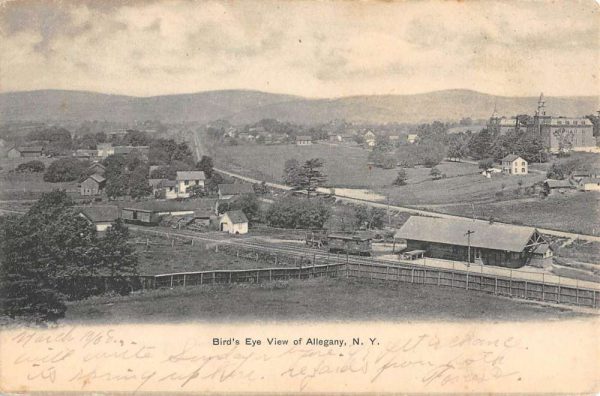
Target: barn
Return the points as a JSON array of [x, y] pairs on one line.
[[483, 243], [151, 212], [231, 190]]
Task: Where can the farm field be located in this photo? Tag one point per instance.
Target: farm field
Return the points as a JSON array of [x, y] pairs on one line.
[[26, 186], [162, 258], [345, 166], [578, 212], [317, 299], [467, 188]]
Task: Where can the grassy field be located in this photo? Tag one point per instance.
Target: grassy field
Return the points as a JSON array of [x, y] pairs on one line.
[[320, 299], [467, 188], [345, 166], [24, 186], [578, 212], [162, 258]]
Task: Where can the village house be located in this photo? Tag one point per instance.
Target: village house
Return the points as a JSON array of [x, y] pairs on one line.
[[484, 243], [85, 154], [303, 140], [187, 179], [101, 217], [104, 149], [412, 138], [514, 165], [163, 188], [232, 190], [25, 152], [589, 184], [369, 138], [234, 222], [92, 185], [97, 168]]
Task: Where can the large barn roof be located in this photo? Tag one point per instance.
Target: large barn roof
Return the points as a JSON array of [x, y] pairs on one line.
[[191, 175], [453, 232], [237, 216]]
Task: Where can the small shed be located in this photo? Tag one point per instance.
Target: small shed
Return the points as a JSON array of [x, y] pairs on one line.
[[97, 168], [93, 185], [589, 184], [551, 186], [101, 216], [234, 222]]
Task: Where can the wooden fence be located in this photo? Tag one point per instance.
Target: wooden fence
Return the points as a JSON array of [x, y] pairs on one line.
[[492, 284]]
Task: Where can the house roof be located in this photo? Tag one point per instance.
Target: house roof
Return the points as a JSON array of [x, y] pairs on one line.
[[190, 175], [510, 158], [236, 216], [30, 149], [304, 137], [558, 183], [96, 177], [100, 213], [586, 180], [236, 189], [453, 232], [174, 206], [541, 248], [96, 164]]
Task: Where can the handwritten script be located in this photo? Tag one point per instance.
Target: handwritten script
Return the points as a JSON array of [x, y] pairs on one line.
[[110, 359]]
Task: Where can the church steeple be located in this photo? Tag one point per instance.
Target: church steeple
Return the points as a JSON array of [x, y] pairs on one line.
[[541, 105]]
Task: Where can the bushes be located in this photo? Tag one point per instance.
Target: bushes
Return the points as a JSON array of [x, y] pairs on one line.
[[34, 166], [298, 213], [65, 170]]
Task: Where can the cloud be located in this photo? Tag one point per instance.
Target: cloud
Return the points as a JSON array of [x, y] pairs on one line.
[[319, 49]]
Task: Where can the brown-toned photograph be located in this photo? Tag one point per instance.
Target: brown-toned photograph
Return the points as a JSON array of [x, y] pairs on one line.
[[299, 196]]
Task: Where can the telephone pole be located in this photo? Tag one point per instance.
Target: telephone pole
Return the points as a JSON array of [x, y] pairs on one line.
[[468, 234]]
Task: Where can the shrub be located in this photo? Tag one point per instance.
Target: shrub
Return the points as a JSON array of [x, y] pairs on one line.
[[65, 170], [34, 166]]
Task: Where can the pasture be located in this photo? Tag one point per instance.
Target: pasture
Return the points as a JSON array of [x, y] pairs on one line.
[[27, 186], [316, 299], [345, 166]]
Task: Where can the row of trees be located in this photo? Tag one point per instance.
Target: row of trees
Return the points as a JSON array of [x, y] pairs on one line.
[[46, 250]]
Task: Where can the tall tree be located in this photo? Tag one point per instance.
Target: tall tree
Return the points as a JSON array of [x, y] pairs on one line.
[[309, 176], [206, 165]]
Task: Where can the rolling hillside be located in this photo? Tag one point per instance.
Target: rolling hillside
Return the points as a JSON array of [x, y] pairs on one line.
[[240, 106]]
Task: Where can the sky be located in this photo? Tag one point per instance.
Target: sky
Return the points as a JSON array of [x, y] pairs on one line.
[[307, 48]]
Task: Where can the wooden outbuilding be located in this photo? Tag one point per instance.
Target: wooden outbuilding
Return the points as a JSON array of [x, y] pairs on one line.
[[234, 222], [93, 185]]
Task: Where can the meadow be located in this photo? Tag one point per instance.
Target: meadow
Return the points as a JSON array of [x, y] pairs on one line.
[[345, 166], [316, 299]]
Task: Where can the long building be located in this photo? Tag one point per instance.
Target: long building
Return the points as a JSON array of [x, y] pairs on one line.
[[483, 243]]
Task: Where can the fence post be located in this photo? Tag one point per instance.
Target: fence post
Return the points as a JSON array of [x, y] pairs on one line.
[[257, 275], [543, 288], [214, 277], [270, 275], [171, 280], [452, 279], [192, 241], [229, 276], [558, 293], [358, 270], [201, 278], [412, 275], [184, 276], [525, 289], [594, 302], [439, 277], [467, 283], [387, 270], [496, 284], [510, 284]]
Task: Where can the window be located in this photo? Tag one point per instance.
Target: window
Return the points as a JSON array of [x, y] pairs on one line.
[[186, 182], [522, 170], [523, 163]]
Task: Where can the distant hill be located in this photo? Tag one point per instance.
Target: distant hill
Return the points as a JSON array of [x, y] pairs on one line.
[[241, 106]]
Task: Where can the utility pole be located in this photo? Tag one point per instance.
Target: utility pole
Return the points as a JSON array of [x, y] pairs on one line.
[[468, 234]]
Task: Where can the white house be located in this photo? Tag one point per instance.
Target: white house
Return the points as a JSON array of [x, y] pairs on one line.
[[369, 138], [514, 165], [234, 222], [412, 138], [187, 179], [589, 184], [105, 149], [304, 140]]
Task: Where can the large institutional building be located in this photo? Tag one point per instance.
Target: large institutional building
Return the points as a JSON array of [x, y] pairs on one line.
[[557, 133]]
